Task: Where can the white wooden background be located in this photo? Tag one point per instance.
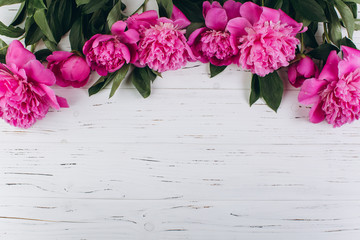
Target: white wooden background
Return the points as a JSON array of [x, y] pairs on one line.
[[193, 161]]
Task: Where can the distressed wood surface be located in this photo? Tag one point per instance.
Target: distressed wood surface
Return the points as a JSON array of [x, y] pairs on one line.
[[193, 161]]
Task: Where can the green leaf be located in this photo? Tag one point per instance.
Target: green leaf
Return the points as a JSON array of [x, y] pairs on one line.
[[82, 2], [34, 5], [93, 6], [347, 42], [192, 9], [10, 2], [334, 26], [357, 24], [41, 21], [49, 44], [309, 9], [165, 8], [100, 84], [271, 90], [192, 27], [354, 1], [353, 8], [10, 31], [215, 70], [33, 34], [322, 52], [42, 54], [255, 89], [115, 14], [275, 4], [76, 37], [3, 47], [141, 79], [119, 76], [20, 15], [347, 16]]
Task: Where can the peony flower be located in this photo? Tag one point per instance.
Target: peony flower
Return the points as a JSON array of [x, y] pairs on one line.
[[335, 94], [25, 96], [69, 69], [265, 38], [162, 45], [301, 70], [212, 43], [108, 53]]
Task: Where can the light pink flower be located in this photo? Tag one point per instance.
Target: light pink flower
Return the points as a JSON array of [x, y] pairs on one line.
[[162, 44], [265, 38], [335, 94], [25, 95], [212, 43], [108, 53], [69, 69], [301, 70]]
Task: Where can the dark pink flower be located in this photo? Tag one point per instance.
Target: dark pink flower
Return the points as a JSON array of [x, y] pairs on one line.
[[69, 69], [265, 38], [162, 44], [335, 94], [301, 70], [212, 43], [108, 53], [25, 95]]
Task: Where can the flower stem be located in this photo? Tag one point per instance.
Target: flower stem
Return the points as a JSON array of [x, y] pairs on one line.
[[3, 48], [327, 38], [302, 49], [262, 2]]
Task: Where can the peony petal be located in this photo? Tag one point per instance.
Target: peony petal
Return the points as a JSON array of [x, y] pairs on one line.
[[58, 56], [270, 14], [306, 67], [348, 65], [348, 51], [251, 12], [330, 70], [38, 73], [75, 69], [88, 44], [179, 18], [237, 26], [232, 9], [195, 34], [316, 113], [292, 73], [310, 90], [216, 19], [50, 97], [207, 6], [284, 18], [18, 55], [118, 27], [62, 102]]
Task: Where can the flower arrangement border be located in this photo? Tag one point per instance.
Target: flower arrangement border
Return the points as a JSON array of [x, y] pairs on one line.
[[261, 36]]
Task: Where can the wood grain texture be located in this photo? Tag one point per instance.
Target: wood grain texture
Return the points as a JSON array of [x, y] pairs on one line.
[[193, 161]]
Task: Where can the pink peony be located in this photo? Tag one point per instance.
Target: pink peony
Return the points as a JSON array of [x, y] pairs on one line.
[[25, 96], [301, 70], [335, 94], [69, 69], [108, 53], [212, 43], [265, 38], [162, 44]]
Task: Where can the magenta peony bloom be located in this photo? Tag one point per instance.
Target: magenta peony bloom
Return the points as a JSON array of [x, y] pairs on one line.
[[212, 43], [25, 96], [108, 53], [335, 94], [162, 44], [265, 38], [301, 70], [69, 69]]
